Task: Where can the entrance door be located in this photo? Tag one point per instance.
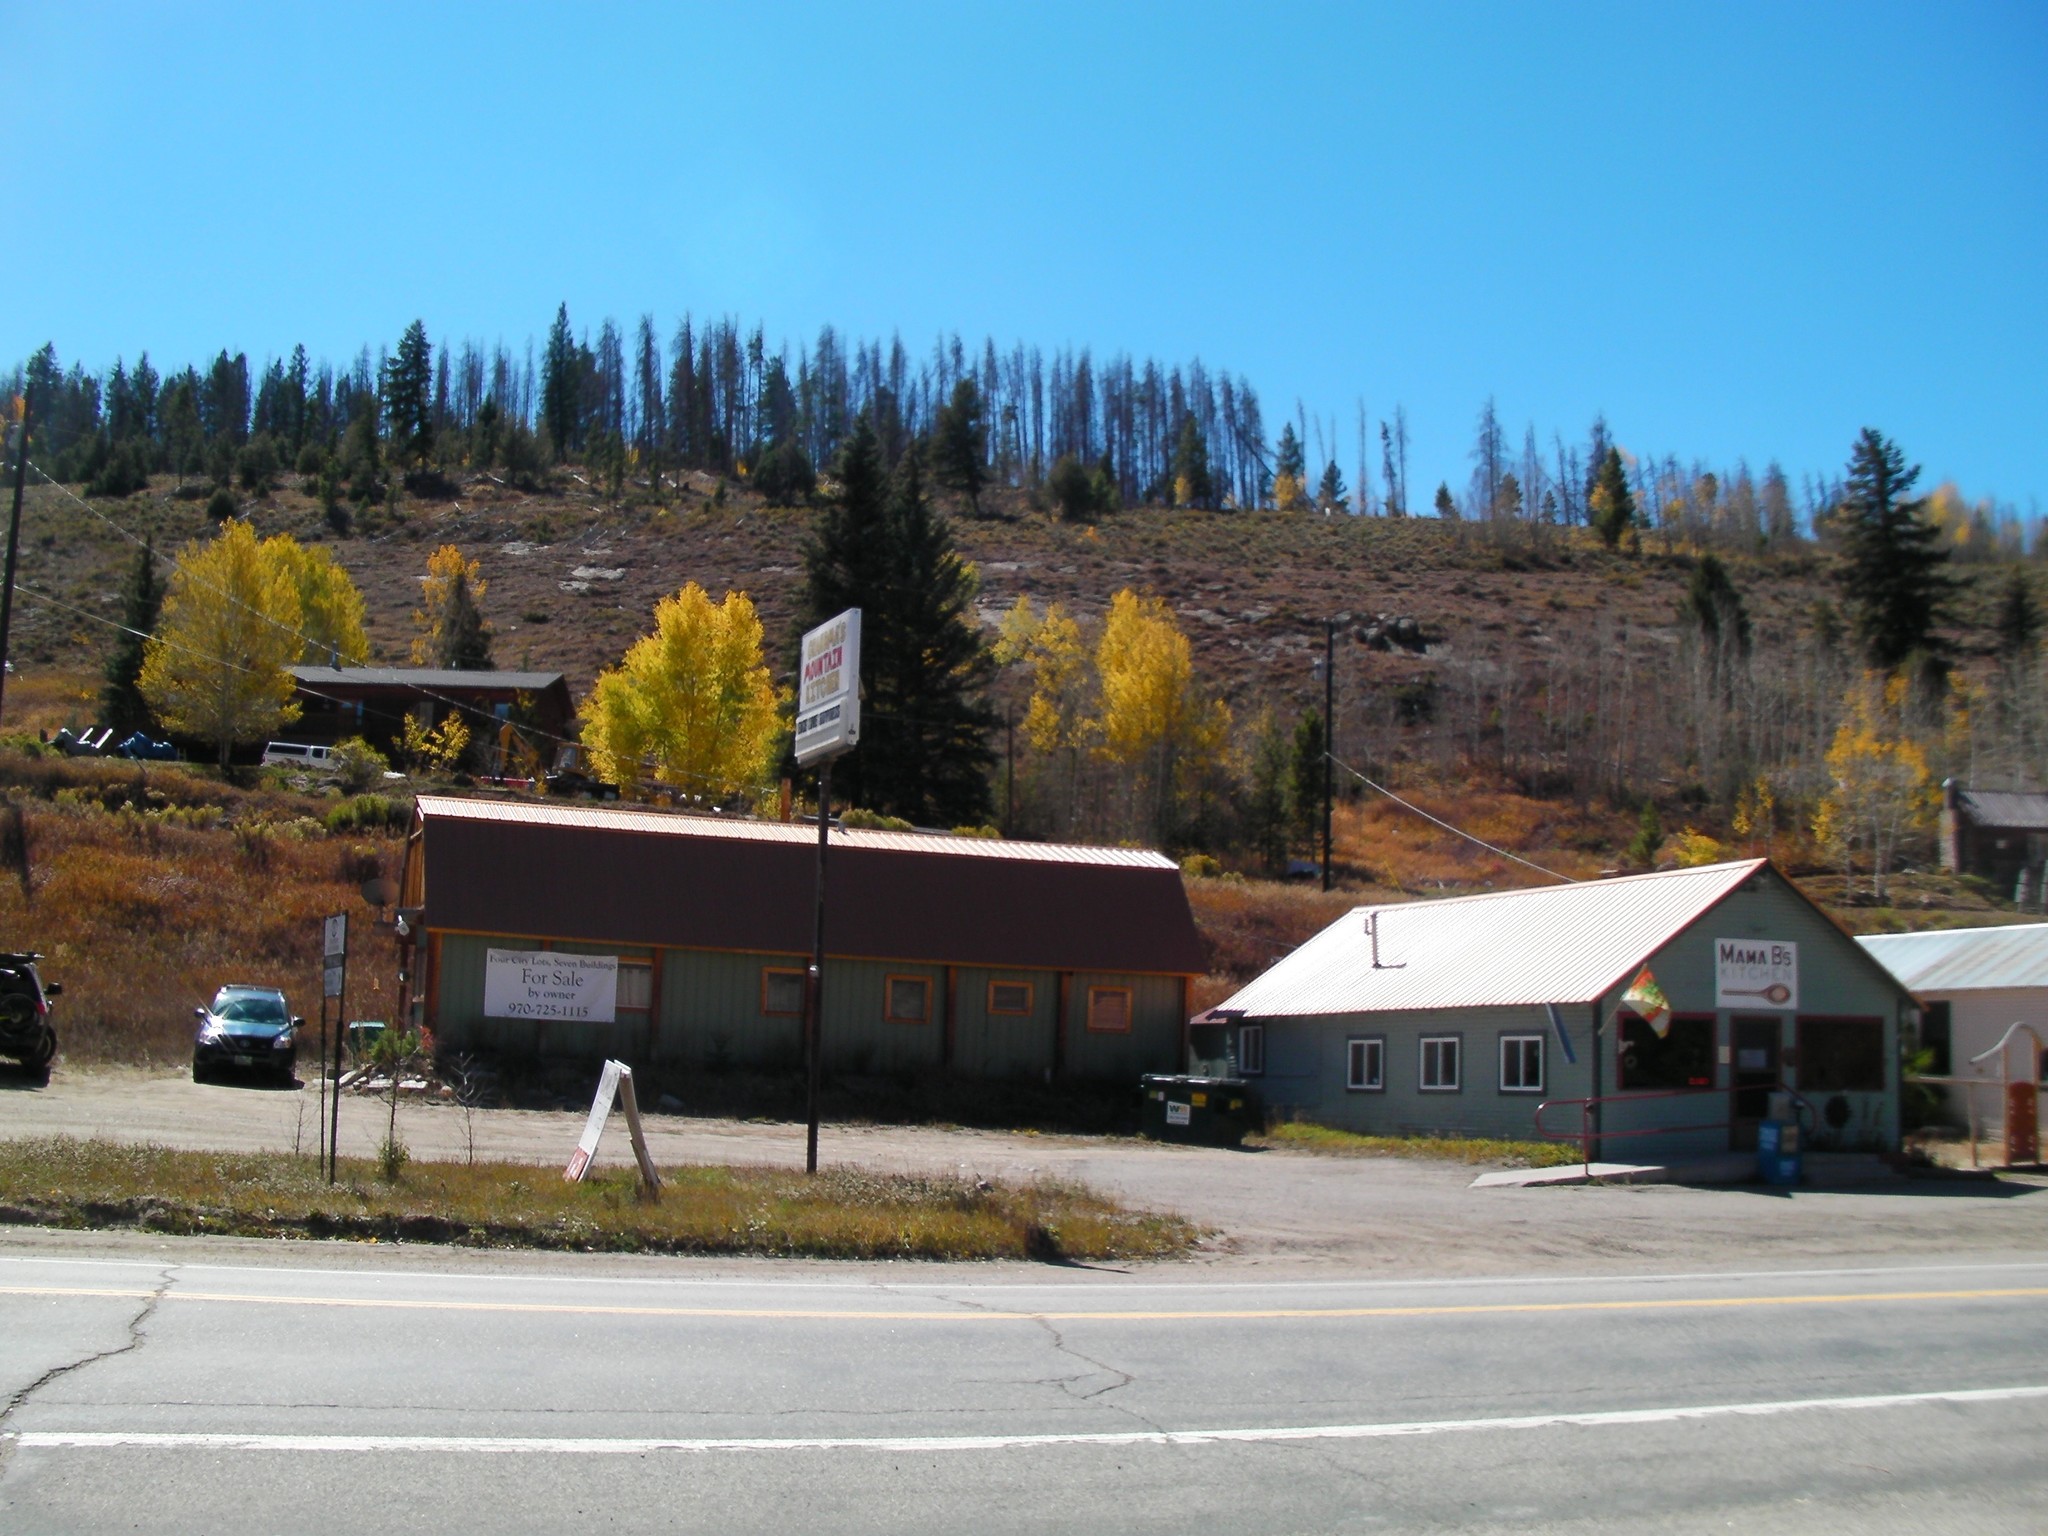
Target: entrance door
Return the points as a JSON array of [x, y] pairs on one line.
[[1756, 1074]]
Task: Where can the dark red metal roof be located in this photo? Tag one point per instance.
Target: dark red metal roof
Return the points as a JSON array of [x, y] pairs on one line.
[[644, 878]]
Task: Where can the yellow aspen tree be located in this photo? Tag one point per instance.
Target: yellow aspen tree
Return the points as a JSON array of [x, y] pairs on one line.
[[1056, 720], [1153, 720], [451, 631], [692, 704], [1881, 788], [229, 627], [330, 607]]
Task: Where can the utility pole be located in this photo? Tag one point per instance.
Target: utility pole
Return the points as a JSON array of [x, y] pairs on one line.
[[1329, 735], [13, 544]]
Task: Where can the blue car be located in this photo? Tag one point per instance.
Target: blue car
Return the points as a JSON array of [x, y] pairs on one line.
[[249, 1030]]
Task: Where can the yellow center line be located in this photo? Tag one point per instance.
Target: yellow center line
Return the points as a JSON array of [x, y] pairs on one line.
[[995, 1315]]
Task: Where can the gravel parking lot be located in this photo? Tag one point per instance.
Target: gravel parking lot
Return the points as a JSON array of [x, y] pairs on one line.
[[1271, 1213]]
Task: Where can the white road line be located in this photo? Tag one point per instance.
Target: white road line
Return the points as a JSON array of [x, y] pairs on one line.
[[95, 1440], [912, 1286]]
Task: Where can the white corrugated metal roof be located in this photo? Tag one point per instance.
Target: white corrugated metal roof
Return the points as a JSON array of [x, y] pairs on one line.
[[1556, 944], [1965, 959], [613, 818]]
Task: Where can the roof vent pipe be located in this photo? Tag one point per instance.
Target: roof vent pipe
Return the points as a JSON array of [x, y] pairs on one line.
[[1372, 931]]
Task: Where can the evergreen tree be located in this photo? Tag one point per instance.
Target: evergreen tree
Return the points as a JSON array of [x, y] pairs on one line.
[[561, 388], [1333, 490], [1611, 508], [1446, 504], [924, 753], [960, 445], [121, 701], [409, 397], [1288, 457], [2019, 618], [1192, 486], [1893, 570]]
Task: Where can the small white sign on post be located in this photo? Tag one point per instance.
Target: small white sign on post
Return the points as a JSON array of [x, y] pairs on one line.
[[1756, 973], [828, 690], [593, 1128], [333, 978], [334, 936], [540, 984]]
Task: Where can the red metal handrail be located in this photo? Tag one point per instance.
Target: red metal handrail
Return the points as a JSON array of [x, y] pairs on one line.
[[1586, 1106]]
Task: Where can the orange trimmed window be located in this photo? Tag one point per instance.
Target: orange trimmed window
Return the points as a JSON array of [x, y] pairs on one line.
[[782, 993], [1109, 1010], [1009, 997], [907, 999]]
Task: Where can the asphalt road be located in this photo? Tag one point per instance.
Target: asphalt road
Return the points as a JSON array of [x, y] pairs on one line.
[[165, 1386]]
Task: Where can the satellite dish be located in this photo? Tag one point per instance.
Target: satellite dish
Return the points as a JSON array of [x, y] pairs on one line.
[[380, 891]]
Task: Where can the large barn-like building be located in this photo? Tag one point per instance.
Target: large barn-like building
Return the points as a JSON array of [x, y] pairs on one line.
[[550, 930]]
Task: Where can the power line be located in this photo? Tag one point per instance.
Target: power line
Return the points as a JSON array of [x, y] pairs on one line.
[[1439, 821]]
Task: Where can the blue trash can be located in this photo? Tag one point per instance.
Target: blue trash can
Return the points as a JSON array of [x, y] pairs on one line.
[[1778, 1159]]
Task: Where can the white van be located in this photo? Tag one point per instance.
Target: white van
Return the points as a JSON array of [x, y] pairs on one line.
[[292, 754]]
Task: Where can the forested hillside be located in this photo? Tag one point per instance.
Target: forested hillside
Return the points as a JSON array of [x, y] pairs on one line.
[[1680, 659]]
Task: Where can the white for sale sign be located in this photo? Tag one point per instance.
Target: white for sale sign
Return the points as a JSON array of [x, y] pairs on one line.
[[539, 984], [828, 690]]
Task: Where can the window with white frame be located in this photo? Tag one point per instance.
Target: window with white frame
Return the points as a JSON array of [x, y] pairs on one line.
[[1251, 1050], [1521, 1063], [1365, 1064], [1440, 1063]]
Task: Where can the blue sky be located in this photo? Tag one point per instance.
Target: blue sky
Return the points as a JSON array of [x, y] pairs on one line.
[[1736, 229]]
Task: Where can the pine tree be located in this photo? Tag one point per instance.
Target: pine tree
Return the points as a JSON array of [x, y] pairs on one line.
[[1446, 505], [924, 753], [1192, 486], [122, 703], [561, 388], [960, 445], [1893, 570], [2018, 624], [1610, 507], [1333, 490], [1288, 457], [409, 396]]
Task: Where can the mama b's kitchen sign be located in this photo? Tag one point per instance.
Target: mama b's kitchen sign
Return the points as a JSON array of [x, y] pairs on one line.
[[1756, 973], [539, 984]]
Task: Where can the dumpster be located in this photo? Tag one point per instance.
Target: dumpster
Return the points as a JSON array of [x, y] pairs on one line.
[[1208, 1111], [1778, 1158]]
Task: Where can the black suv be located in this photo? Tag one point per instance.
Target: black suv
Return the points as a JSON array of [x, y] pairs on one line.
[[250, 1028], [25, 1030]]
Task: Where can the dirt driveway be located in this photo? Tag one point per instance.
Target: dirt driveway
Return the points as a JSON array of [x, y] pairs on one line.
[[1272, 1213]]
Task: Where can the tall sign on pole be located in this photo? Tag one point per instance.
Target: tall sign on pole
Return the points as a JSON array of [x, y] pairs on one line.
[[827, 724], [334, 984]]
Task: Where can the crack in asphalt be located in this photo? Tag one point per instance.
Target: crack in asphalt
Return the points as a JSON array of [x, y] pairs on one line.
[[1066, 1384], [57, 1372]]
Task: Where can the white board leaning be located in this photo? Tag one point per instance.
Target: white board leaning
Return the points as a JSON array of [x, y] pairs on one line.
[[828, 690], [539, 984]]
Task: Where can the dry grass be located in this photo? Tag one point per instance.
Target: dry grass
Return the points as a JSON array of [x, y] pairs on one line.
[[1302, 1136], [150, 887], [840, 1213]]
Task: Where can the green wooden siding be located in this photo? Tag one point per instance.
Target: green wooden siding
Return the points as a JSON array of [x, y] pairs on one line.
[[708, 1013]]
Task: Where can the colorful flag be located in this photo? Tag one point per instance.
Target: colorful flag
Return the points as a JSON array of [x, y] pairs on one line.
[[1646, 1000]]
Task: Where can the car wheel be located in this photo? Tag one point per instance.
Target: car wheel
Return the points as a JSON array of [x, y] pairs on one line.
[[37, 1072], [198, 1070]]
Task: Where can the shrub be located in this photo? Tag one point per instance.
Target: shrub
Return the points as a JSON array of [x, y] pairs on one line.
[[369, 813], [873, 821], [358, 765], [312, 459], [256, 463], [222, 505]]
